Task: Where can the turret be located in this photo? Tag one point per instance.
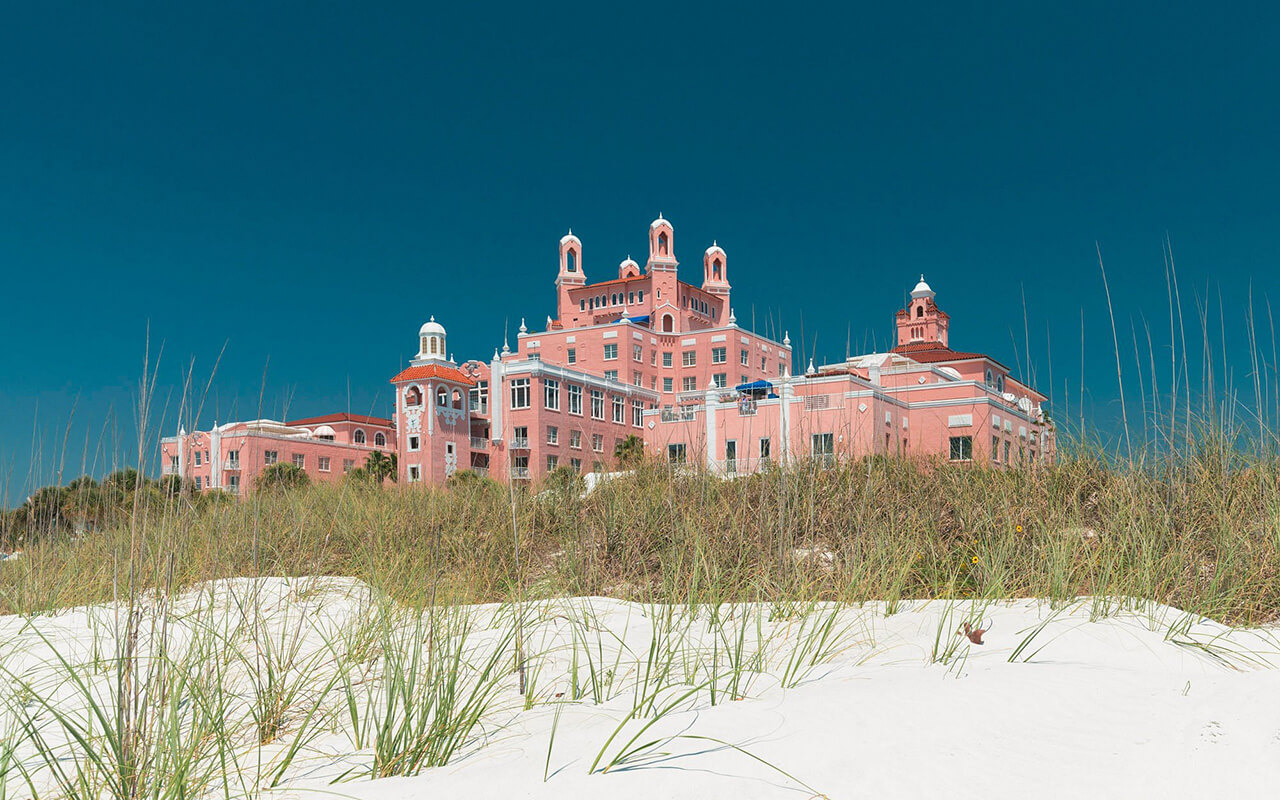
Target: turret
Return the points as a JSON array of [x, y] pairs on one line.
[[922, 322]]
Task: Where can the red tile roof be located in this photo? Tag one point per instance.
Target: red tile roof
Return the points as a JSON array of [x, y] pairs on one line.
[[341, 417], [428, 371], [934, 353]]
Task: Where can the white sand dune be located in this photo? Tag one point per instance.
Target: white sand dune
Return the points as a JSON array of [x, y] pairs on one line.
[[1143, 702]]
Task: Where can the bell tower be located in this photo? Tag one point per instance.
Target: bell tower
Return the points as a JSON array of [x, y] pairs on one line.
[[922, 322], [570, 275]]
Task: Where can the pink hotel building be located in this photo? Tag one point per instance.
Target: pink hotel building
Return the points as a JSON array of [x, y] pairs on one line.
[[649, 355]]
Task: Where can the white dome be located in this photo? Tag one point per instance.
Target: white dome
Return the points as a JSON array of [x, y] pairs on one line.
[[922, 289], [627, 262], [569, 237], [715, 249], [431, 327], [659, 222]]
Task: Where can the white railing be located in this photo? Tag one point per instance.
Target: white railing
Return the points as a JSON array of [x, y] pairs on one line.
[[520, 443], [520, 473], [479, 443], [677, 415], [481, 471], [170, 469], [231, 463]]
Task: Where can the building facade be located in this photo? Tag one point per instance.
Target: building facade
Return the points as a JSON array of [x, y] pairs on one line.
[[646, 354], [231, 456]]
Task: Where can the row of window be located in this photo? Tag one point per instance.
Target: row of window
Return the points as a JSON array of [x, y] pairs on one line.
[[688, 358], [520, 438], [615, 299], [521, 397]]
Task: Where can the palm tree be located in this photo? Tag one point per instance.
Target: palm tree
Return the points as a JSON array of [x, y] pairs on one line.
[[629, 451], [381, 466]]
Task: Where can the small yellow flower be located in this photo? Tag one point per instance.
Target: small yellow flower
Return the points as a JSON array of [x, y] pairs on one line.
[[975, 559], [1018, 528]]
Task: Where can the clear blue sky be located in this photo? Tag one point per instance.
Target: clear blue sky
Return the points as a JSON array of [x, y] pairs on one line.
[[303, 184]]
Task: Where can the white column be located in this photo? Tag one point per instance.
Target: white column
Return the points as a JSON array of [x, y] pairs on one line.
[[784, 418], [215, 456], [182, 452], [495, 399], [429, 403], [710, 400]]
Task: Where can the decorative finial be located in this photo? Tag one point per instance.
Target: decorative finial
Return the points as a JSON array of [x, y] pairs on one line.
[[786, 339], [506, 348], [713, 243], [495, 354], [733, 318], [433, 318], [523, 329], [811, 369]]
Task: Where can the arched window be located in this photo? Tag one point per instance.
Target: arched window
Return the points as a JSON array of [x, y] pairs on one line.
[[358, 436], [413, 397], [662, 244], [572, 258], [991, 381], [457, 399], [668, 324], [435, 344], [1000, 383], [424, 344], [380, 439], [442, 397], [715, 269], [919, 312]]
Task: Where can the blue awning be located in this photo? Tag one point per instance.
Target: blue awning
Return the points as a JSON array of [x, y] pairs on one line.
[[754, 386], [643, 320]]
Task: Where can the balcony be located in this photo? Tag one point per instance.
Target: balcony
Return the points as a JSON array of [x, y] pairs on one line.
[[170, 469], [231, 464], [479, 443], [520, 473], [519, 443], [481, 471]]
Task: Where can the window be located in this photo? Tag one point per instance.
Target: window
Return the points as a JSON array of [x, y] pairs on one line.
[[520, 393], [765, 446], [1000, 384], [233, 484], [380, 439], [675, 453], [576, 464], [991, 379], [324, 463], [611, 352], [824, 447], [479, 398], [666, 385], [270, 456], [961, 448], [233, 459], [358, 436], [415, 474], [619, 410], [575, 440], [781, 368], [552, 462], [631, 298], [666, 359], [597, 442], [442, 397], [637, 413], [637, 353], [597, 404], [413, 397], [1006, 452], [721, 379], [299, 460], [413, 443], [553, 434], [719, 355], [640, 296], [744, 357], [582, 305], [573, 355], [199, 482], [551, 394], [347, 465], [197, 458], [764, 363], [744, 379], [995, 448], [520, 437], [731, 456], [637, 379], [575, 399], [690, 383], [610, 374], [689, 358]]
